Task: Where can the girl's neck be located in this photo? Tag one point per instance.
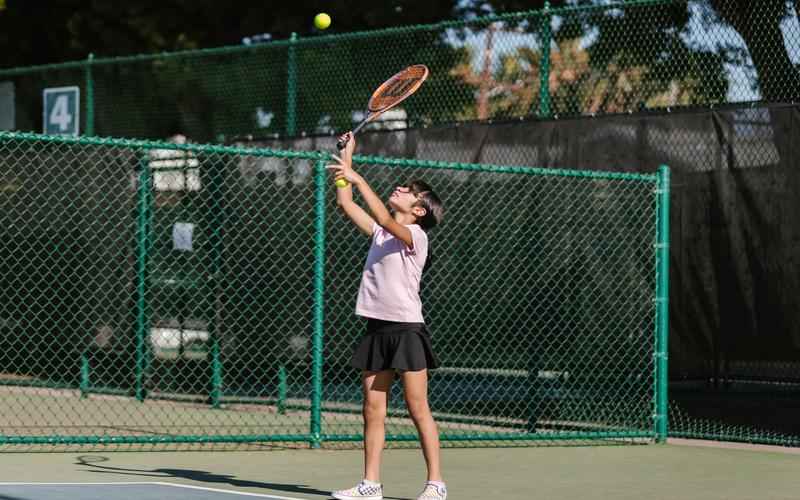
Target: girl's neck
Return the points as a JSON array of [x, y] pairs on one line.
[[404, 219]]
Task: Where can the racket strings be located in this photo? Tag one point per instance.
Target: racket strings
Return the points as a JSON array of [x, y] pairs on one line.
[[397, 88]]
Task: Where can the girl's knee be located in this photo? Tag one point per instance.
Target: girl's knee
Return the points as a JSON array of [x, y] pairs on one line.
[[374, 409], [418, 408]]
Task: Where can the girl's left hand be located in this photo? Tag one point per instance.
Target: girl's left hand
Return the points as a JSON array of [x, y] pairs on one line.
[[344, 170]]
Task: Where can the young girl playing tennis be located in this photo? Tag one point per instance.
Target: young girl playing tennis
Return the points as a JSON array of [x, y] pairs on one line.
[[396, 341]]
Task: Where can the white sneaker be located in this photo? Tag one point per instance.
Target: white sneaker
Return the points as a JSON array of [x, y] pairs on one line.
[[361, 491], [433, 492]]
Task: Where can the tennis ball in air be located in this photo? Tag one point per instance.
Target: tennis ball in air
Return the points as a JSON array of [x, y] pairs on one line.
[[322, 20], [341, 183]]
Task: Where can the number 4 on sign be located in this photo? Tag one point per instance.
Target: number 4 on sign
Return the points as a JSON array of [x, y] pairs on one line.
[[60, 114], [61, 111]]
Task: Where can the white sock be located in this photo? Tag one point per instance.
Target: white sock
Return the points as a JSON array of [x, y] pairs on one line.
[[437, 483], [370, 483]]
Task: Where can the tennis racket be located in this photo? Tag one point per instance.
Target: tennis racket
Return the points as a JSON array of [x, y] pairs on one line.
[[391, 93]]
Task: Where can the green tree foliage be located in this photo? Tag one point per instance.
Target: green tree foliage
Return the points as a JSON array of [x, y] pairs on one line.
[[657, 29], [39, 31], [205, 96], [602, 60], [608, 60]]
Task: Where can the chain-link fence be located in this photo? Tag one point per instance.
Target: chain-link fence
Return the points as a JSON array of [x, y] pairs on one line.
[[575, 61], [157, 293], [735, 279]]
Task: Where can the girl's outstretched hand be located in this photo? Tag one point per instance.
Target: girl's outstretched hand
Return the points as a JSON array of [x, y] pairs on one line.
[[349, 141], [343, 170]]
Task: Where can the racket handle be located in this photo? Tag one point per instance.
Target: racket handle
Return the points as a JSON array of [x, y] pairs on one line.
[[341, 144]]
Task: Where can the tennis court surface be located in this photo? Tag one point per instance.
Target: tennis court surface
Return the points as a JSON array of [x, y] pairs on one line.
[[638, 472]]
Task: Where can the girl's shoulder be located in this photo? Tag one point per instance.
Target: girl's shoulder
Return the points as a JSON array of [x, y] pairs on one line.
[[417, 230]]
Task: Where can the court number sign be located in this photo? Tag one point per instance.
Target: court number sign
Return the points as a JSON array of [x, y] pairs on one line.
[[62, 110]]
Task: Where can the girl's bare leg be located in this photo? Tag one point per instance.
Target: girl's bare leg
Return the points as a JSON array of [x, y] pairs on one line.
[[415, 389], [376, 387]]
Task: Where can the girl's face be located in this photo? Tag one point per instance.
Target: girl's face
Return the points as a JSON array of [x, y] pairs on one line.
[[403, 200]]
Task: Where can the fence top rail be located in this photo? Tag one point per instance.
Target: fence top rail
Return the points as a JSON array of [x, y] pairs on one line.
[[331, 38], [323, 156]]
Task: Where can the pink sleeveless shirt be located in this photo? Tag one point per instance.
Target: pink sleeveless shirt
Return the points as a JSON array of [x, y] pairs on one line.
[[390, 282]]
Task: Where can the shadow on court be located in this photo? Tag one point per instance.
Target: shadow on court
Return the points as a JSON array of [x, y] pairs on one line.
[[93, 462]]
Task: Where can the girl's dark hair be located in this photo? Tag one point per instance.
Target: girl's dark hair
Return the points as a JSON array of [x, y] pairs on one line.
[[427, 199], [434, 210]]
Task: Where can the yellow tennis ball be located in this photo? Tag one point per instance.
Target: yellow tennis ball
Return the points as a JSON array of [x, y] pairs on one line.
[[322, 20], [341, 183]]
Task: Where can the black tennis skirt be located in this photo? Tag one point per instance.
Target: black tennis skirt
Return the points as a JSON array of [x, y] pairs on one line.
[[389, 345]]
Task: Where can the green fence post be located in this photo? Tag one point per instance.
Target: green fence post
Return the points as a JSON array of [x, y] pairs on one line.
[[544, 68], [89, 96], [217, 221], [84, 375], [143, 227], [291, 88], [662, 302], [216, 371], [282, 389], [319, 303]]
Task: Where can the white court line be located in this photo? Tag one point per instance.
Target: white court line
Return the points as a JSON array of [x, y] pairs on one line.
[[159, 483], [227, 491], [74, 484]]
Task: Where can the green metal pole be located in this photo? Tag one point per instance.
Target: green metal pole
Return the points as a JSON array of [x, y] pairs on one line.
[[89, 96], [159, 439], [319, 304], [315, 156], [217, 220], [254, 438], [142, 249], [84, 375], [505, 436], [662, 302], [544, 68], [282, 389], [291, 88], [216, 372]]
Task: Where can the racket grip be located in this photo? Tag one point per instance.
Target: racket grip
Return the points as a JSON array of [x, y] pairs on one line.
[[340, 144]]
